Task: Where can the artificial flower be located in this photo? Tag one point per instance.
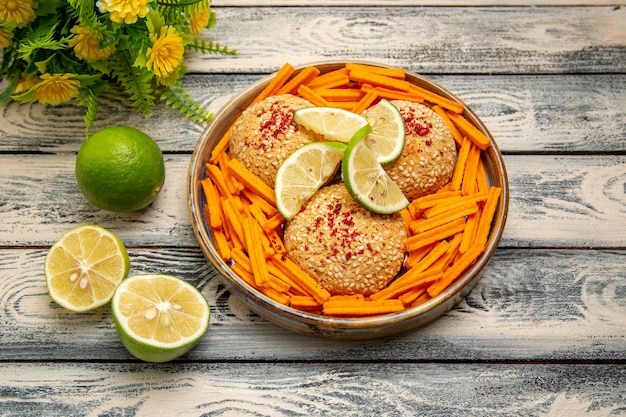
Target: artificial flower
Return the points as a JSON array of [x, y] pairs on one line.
[[18, 12], [5, 38], [126, 11], [199, 19], [166, 53], [55, 51], [56, 88], [86, 44]]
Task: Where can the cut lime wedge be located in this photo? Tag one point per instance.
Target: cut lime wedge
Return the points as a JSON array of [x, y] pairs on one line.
[[368, 183], [333, 123], [304, 172], [159, 318], [388, 133], [84, 267]]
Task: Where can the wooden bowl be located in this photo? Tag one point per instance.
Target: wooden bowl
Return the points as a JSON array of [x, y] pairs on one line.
[[320, 325]]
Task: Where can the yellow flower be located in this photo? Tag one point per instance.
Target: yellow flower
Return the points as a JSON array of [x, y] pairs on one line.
[[5, 38], [166, 53], [56, 88], [25, 84], [86, 44], [200, 19], [21, 12], [126, 11]]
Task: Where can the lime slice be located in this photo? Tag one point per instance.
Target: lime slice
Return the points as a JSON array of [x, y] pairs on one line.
[[367, 182], [159, 318], [304, 172], [84, 267], [334, 124], [388, 133]]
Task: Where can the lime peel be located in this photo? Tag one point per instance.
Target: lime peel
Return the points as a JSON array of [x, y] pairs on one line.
[[159, 318], [304, 172]]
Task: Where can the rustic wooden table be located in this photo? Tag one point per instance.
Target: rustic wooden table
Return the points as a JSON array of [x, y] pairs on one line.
[[543, 333]]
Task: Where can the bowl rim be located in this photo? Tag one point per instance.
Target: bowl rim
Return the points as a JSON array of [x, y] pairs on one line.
[[450, 296]]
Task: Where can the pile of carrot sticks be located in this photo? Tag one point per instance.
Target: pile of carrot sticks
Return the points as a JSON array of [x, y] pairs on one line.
[[447, 230]]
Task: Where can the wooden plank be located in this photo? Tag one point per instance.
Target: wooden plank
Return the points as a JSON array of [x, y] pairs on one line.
[[316, 389], [530, 305], [437, 39], [379, 3], [547, 113], [556, 201]]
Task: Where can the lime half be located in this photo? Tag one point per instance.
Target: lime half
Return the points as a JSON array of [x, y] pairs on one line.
[[368, 183], [333, 123], [159, 318], [304, 172], [388, 133], [84, 267]]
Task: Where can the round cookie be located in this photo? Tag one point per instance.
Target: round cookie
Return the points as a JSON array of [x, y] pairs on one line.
[[265, 134], [429, 155], [346, 248]]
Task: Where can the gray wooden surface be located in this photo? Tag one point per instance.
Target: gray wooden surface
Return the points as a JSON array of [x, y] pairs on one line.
[[542, 334]]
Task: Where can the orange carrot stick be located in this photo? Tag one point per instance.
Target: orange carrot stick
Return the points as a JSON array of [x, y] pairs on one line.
[[471, 168], [304, 302], [233, 216], [257, 200], [472, 132], [275, 83], [427, 261], [422, 298], [222, 245], [378, 80], [433, 199], [332, 79], [455, 271], [422, 225], [390, 94], [444, 261], [482, 184], [302, 278], [340, 94], [365, 102], [417, 255], [452, 203], [388, 72], [434, 235], [306, 75], [309, 94], [212, 204], [364, 308], [486, 216], [255, 252], [217, 176], [437, 99], [276, 272], [456, 134], [251, 181], [469, 234], [220, 147], [459, 170], [410, 296], [397, 288]]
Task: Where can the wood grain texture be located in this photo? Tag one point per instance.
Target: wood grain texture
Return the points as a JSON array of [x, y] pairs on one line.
[[542, 334], [217, 389], [530, 305], [435, 40], [530, 113], [556, 201]]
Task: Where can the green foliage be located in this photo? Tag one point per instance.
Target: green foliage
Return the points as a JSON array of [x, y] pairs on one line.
[[177, 98], [46, 46]]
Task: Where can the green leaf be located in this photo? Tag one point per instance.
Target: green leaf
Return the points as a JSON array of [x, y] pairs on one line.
[[176, 97]]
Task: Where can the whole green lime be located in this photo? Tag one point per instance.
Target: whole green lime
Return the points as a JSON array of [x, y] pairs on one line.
[[120, 168]]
